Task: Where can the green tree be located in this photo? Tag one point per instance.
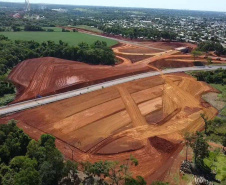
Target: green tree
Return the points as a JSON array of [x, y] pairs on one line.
[[196, 54], [8, 178], [138, 181], [189, 139], [119, 173], [200, 149], [49, 158], [28, 176], [14, 141], [70, 166], [224, 144], [209, 61], [22, 172], [205, 119]]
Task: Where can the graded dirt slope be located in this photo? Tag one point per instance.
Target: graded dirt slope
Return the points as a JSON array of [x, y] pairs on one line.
[[45, 76], [169, 45], [145, 118]]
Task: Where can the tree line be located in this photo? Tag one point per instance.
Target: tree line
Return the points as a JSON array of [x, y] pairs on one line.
[[216, 77], [212, 46], [134, 33]]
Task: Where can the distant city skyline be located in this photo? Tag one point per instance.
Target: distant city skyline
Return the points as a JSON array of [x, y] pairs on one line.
[[217, 5]]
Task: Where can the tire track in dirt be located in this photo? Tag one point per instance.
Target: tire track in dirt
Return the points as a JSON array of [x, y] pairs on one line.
[[125, 60], [40, 73], [132, 108]]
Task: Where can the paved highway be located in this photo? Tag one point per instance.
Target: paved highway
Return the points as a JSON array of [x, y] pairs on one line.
[[53, 98]]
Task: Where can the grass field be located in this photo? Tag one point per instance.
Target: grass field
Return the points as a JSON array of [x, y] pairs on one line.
[[72, 38], [89, 28]]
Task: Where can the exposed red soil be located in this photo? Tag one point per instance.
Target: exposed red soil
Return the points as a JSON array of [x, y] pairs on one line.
[[112, 124], [134, 58], [161, 64], [45, 76], [141, 50], [169, 45], [162, 145], [145, 118]]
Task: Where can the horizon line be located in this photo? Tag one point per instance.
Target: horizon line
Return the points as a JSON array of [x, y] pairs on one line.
[[118, 6]]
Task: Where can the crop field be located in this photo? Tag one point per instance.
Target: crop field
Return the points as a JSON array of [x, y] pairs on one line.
[[72, 38]]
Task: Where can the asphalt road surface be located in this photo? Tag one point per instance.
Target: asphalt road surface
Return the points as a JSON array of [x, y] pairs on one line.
[[57, 97]]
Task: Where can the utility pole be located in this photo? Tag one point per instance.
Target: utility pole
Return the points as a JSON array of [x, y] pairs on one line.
[[27, 6]]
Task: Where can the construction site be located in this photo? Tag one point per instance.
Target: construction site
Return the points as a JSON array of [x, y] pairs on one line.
[[146, 118]]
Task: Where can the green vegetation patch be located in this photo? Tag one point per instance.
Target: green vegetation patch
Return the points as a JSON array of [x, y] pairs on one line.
[[215, 130], [212, 46], [72, 38], [222, 89], [217, 163], [6, 99], [217, 79], [89, 28], [222, 96]]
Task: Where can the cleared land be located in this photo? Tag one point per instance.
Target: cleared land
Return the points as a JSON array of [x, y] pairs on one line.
[[72, 38], [45, 76], [145, 118], [169, 45], [158, 54]]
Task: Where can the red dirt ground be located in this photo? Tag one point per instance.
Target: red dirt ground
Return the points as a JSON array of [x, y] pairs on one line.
[[112, 123], [169, 45], [134, 58], [145, 118], [45, 76]]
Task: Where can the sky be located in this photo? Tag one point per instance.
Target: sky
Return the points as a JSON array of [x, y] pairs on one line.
[[211, 5]]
